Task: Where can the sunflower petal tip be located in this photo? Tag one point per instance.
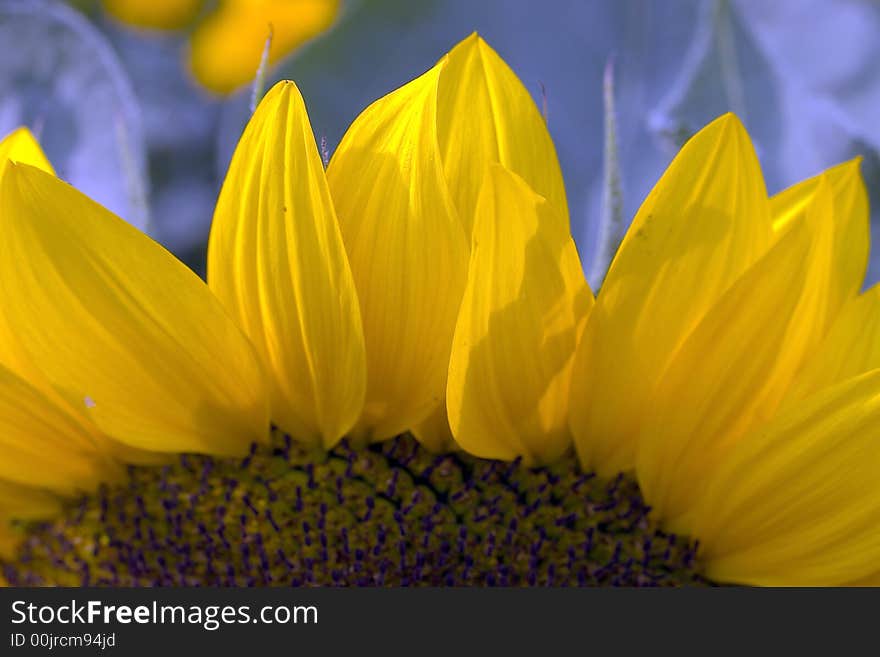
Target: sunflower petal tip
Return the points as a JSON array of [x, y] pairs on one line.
[[308, 331], [21, 145], [730, 126], [473, 43], [729, 118], [279, 90], [21, 132], [853, 166]]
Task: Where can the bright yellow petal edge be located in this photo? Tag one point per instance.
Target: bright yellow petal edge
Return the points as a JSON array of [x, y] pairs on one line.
[[121, 329], [408, 253], [277, 262], [704, 223], [21, 146], [524, 306], [485, 116], [797, 503], [711, 392], [110, 349], [850, 236], [737, 365], [48, 452], [754, 437]]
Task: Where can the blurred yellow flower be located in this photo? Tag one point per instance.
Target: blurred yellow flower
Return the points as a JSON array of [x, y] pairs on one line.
[[154, 14], [228, 39], [356, 288]]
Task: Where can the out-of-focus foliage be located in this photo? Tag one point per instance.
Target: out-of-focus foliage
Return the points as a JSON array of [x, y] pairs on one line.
[[60, 77]]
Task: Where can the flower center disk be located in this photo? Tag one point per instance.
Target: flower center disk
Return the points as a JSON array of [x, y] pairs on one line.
[[391, 514]]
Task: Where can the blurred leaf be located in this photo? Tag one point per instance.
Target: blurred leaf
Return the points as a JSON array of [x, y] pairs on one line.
[[60, 77]]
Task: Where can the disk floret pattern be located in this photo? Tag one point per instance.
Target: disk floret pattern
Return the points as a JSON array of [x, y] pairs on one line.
[[386, 515]]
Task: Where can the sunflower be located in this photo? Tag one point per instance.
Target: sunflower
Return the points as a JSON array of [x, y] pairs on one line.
[[719, 387]]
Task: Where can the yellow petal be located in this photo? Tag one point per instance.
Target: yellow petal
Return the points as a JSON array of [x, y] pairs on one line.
[[850, 221], [713, 389], [872, 580], [19, 502], [9, 541], [119, 327], [851, 347], [407, 250], [21, 146], [797, 503], [226, 48], [277, 262], [484, 115], [704, 223], [154, 14], [737, 365], [434, 432], [817, 306], [26, 502], [44, 446], [525, 302]]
